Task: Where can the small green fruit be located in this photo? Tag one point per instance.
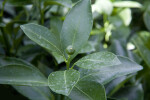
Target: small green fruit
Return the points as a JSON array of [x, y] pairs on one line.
[[70, 50]]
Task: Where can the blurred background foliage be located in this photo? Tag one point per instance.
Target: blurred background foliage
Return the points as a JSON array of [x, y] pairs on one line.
[[120, 26]]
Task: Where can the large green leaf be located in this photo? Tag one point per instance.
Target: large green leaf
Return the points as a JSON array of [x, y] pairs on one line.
[[98, 60], [62, 82], [42, 36], [127, 4], [76, 29], [88, 90], [17, 72], [35, 93], [107, 74], [59, 2]]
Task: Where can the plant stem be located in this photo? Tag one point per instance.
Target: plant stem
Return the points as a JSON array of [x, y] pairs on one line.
[[68, 62], [5, 37], [41, 13], [3, 5]]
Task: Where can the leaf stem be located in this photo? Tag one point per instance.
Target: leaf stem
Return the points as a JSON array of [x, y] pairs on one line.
[[41, 13], [3, 5], [68, 62]]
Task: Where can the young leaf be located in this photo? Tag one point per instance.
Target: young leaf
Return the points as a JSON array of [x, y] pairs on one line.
[[18, 72], [62, 82], [42, 36], [35, 93], [107, 74], [88, 90], [76, 29], [100, 6], [98, 60], [126, 16], [127, 4]]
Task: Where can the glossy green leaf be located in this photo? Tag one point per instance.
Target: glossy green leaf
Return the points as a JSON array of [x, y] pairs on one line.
[[76, 29], [88, 90], [100, 6], [107, 74], [42, 36], [35, 93], [147, 18], [17, 72], [66, 3], [127, 4], [98, 60], [62, 82]]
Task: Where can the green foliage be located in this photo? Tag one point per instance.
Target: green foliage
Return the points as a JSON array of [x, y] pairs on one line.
[[75, 49], [62, 82]]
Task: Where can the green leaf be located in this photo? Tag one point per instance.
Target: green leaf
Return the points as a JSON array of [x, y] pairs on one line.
[[66, 3], [4, 61], [42, 36], [107, 74], [98, 60], [35, 93], [88, 47], [147, 18], [134, 92], [19, 2], [76, 29], [88, 90], [17, 72], [62, 82], [142, 43], [58, 57], [56, 25], [100, 6], [127, 4]]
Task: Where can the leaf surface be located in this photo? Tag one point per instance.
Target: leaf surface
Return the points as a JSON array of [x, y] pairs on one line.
[[34, 93], [62, 82], [42, 36], [88, 90], [107, 74], [98, 60], [18, 72]]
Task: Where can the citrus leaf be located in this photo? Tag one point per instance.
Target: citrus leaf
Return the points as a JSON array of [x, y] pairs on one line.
[[62, 82], [98, 60], [76, 29]]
